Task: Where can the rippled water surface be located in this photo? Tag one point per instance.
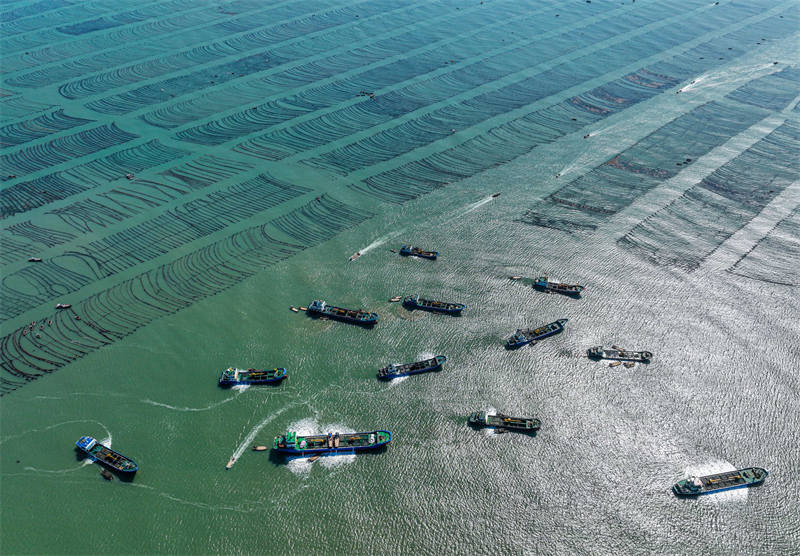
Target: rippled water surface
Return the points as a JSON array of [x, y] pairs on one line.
[[646, 150]]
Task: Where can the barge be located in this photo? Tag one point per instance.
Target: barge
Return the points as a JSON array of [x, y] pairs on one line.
[[396, 370], [619, 354], [543, 284], [411, 251], [416, 302], [354, 316], [741, 478], [106, 456], [233, 376], [292, 443], [525, 336], [500, 421]]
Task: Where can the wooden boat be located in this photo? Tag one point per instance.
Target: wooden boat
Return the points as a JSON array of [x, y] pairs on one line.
[[416, 302], [411, 251], [396, 370], [233, 376], [354, 316], [292, 443], [106, 456]]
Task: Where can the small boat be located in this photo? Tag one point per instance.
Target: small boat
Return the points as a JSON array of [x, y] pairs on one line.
[[129, 176], [106, 474], [411, 251], [303, 308], [619, 354], [615, 364], [34, 259], [515, 277], [354, 256], [293, 308], [106, 456], [314, 458], [260, 448], [695, 486], [63, 305], [396, 369], [395, 299], [628, 364], [233, 376], [500, 421], [416, 302], [495, 195], [292, 443], [319, 307], [543, 284], [524, 336], [230, 462]]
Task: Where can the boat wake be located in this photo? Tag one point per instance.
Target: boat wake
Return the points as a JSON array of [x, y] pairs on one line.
[[30, 431], [479, 204], [380, 241], [238, 389], [253, 432]]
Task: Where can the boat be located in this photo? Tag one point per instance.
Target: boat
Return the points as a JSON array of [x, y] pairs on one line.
[[233, 376], [292, 443], [106, 474], [397, 369], [106, 456], [543, 284], [495, 195], [294, 309], [695, 486], [358, 316], [230, 462], [615, 364], [354, 256], [34, 260], [500, 421], [260, 448], [628, 364], [619, 354], [63, 305], [395, 299], [524, 336], [411, 251], [515, 277], [416, 302]]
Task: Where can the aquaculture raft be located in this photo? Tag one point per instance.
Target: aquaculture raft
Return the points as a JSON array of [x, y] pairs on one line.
[[232, 376], [483, 419], [292, 443], [416, 302], [524, 336], [395, 369], [355, 316], [411, 251], [695, 486], [105, 455]]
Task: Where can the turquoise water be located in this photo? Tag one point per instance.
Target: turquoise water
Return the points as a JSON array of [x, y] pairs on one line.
[[647, 151]]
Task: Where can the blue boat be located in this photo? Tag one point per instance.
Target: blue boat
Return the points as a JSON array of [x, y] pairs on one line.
[[525, 336], [396, 369], [233, 376], [292, 443], [322, 309], [544, 284], [106, 456], [411, 251], [416, 302]]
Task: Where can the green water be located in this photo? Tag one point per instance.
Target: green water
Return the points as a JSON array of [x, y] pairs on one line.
[[596, 478]]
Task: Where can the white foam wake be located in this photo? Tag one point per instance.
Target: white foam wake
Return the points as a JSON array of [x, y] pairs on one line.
[[238, 389]]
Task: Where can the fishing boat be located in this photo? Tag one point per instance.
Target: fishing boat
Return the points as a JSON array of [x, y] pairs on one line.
[[619, 354], [495, 195], [354, 256], [292, 443], [411, 251], [106, 456], [500, 421], [396, 369], [63, 305], [34, 259], [695, 486], [525, 336], [356, 316], [543, 284], [233, 376], [416, 302]]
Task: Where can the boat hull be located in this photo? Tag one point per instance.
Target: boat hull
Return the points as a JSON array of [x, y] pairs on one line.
[[106, 456], [293, 449], [519, 339], [435, 364], [720, 482], [321, 309]]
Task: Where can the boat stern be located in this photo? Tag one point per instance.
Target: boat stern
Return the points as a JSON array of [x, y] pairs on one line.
[[440, 360], [86, 443]]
